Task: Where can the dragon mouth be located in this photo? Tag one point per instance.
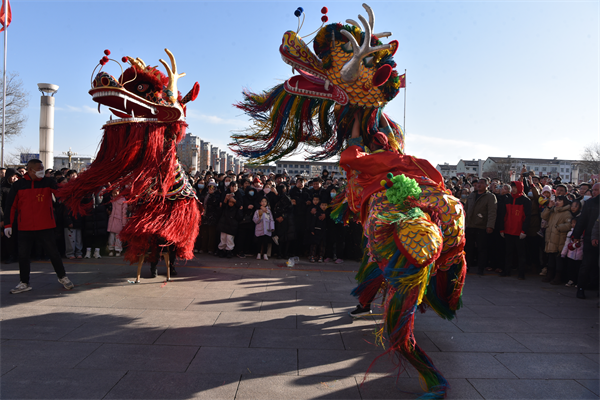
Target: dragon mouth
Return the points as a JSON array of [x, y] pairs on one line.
[[129, 107], [311, 82], [124, 104]]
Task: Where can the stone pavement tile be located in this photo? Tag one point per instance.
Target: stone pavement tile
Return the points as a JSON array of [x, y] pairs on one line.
[[43, 354], [531, 389], [30, 329], [154, 303], [296, 339], [557, 342], [360, 338], [340, 287], [568, 312], [256, 319], [173, 385], [263, 294], [500, 324], [140, 358], [176, 318], [549, 366], [591, 384], [224, 305], [249, 361], [476, 342], [379, 386], [334, 321], [296, 387], [58, 383], [338, 296], [469, 365], [146, 288], [115, 332], [316, 288], [475, 300], [563, 325], [594, 357], [344, 363], [435, 325], [207, 336], [87, 299], [301, 307], [522, 312]]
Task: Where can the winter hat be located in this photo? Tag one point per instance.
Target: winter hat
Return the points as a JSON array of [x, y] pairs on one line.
[[9, 173], [547, 188]]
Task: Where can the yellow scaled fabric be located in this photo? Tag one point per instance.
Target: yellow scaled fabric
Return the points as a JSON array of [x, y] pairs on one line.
[[420, 238]]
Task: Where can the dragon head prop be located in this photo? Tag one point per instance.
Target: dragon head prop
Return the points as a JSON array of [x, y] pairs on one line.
[[350, 70], [142, 93]]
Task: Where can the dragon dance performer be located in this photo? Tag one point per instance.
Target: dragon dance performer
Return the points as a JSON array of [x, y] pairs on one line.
[[138, 155], [413, 228]]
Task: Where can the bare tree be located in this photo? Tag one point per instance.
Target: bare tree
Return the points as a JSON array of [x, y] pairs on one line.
[[591, 159], [17, 100], [13, 159], [503, 169]]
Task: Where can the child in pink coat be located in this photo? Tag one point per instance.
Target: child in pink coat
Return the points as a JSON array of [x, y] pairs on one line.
[[116, 222]]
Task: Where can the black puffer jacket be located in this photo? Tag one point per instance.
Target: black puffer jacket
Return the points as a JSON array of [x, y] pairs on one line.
[[212, 211], [95, 223], [286, 229], [229, 220], [586, 221]]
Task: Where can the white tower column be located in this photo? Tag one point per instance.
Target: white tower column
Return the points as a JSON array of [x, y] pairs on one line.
[[47, 123]]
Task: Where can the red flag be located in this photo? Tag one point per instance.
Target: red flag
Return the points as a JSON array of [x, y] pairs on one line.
[[3, 18], [402, 80]]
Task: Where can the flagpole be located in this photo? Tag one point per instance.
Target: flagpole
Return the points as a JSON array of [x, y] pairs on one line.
[[404, 124], [4, 78]]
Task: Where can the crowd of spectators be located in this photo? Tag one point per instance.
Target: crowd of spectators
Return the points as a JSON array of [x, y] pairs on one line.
[[533, 224], [273, 215], [245, 214]]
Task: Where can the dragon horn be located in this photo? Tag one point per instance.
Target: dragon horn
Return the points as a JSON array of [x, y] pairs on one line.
[[173, 77], [350, 70]]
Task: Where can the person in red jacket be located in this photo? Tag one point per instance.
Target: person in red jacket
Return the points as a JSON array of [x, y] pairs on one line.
[[31, 199], [516, 212]]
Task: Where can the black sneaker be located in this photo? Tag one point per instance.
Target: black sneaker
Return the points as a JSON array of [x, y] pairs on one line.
[[360, 311], [153, 272], [173, 271]]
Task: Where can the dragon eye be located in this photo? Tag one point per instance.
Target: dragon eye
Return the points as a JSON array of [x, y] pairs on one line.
[[142, 87], [368, 61]]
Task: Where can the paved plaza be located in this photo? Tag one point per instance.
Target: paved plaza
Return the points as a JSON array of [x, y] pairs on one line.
[[248, 329]]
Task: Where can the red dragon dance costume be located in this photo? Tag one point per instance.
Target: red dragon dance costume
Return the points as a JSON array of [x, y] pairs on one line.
[[138, 155]]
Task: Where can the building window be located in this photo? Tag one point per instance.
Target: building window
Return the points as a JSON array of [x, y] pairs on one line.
[[567, 169], [562, 170], [543, 169]]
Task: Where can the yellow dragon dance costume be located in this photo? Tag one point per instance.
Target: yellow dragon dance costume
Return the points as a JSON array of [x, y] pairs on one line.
[[413, 227]]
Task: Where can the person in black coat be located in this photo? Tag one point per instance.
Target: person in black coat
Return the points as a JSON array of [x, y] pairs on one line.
[[285, 229], [300, 201], [245, 237], [95, 225], [588, 273], [211, 200], [10, 253], [228, 225], [317, 230]]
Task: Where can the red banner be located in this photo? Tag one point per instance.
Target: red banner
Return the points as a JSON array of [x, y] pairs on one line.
[[403, 81], [3, 19]]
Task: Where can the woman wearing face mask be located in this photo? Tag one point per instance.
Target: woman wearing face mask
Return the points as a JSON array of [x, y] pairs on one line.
[[464, 195], [245, 237], [270, 194], [285, 228], [200, 187], [210, 218]]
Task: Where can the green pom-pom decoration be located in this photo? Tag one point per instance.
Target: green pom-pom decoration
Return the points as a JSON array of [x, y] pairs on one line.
[[402, 188]]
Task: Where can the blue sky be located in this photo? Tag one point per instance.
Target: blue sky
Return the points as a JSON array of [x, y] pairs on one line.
[[484, 78]]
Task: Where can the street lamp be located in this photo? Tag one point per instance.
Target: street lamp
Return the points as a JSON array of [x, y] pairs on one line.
[[69, 154]]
